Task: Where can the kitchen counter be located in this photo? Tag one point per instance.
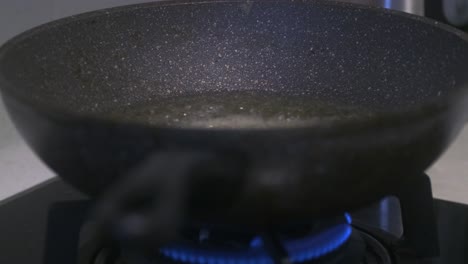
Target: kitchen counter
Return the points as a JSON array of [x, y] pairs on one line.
[[449, 174]]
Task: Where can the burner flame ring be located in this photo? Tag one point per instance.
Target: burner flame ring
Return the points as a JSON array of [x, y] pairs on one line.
[[299, 250]]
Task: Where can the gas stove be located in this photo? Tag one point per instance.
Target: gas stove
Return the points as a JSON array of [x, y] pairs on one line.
[[50, 224]]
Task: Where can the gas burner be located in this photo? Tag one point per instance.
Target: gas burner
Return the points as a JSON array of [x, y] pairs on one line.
[[360, 248], [334, 241], [255, 249], [53, 223]]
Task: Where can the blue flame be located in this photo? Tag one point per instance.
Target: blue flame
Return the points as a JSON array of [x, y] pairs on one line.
[[388, 4], [349, 220], [299, 250]]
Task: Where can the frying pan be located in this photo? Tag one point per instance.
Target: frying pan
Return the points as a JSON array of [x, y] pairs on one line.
[[246, 112]]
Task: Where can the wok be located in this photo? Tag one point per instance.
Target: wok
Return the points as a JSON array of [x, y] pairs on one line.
[[246, 112]]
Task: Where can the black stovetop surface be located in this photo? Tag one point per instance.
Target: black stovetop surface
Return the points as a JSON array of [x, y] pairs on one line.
[[42, 225]]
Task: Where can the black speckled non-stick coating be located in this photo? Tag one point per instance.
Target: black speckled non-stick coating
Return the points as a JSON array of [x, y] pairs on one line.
[[60, 81]]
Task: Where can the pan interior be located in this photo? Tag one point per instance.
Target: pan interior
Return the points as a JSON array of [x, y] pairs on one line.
[[244, 109], [236, 64]]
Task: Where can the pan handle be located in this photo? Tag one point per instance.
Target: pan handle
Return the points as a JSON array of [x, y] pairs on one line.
[[147, 206]]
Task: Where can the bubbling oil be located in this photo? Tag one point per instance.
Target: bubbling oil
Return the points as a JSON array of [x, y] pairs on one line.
[[237, 110]]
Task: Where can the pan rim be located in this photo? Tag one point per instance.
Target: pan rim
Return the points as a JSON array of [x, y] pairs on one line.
[[421, 111]]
